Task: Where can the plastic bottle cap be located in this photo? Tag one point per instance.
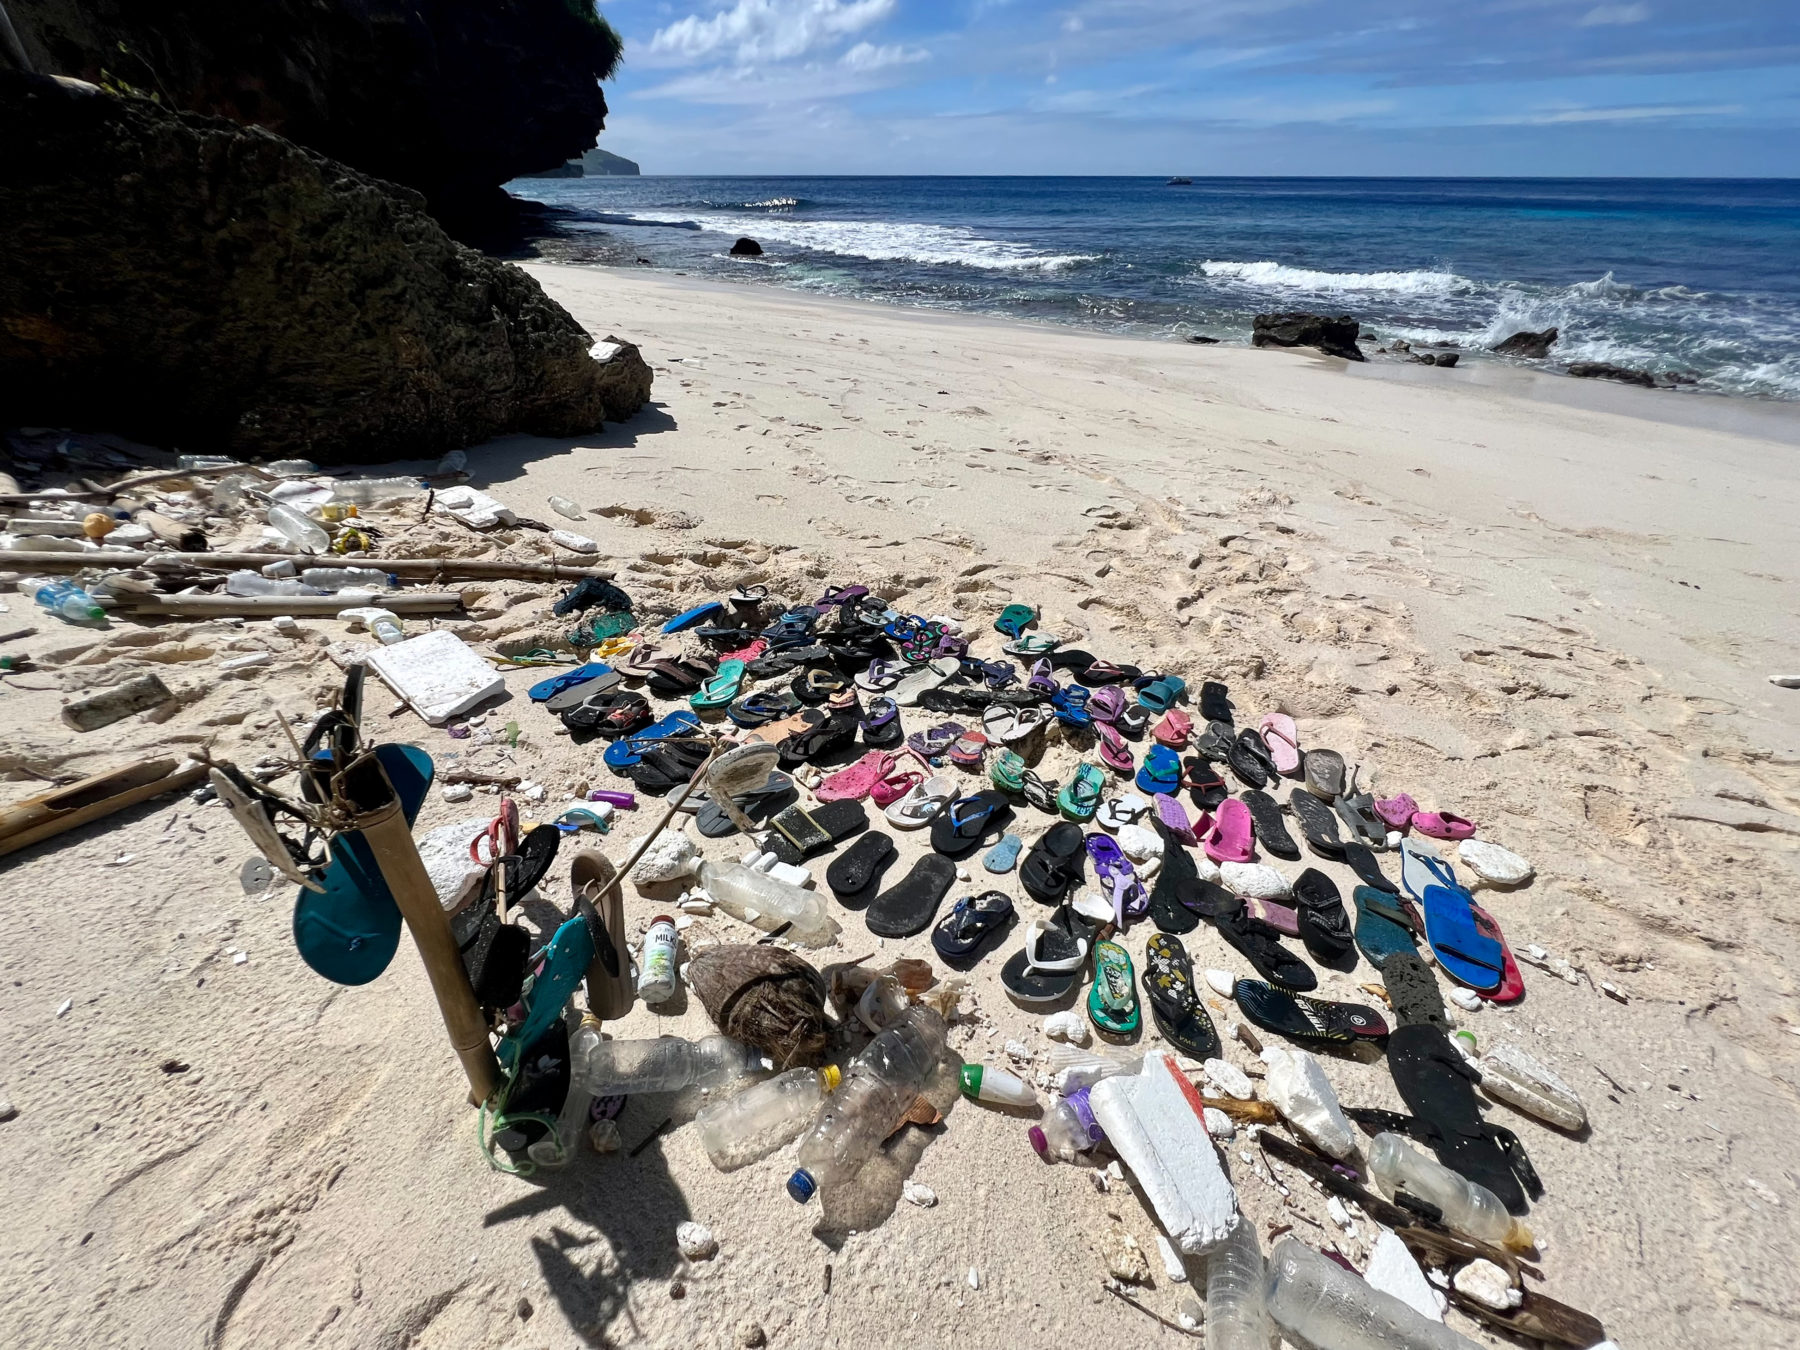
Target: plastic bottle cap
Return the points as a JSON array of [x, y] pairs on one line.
[[801, 1185], [971, 1081], [831, 1076], [1038, 1142]]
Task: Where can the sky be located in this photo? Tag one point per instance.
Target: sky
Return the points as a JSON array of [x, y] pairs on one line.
[[1707, 88]]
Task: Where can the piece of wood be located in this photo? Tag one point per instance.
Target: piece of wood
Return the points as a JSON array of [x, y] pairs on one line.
[[408, 569], [172, 532], [1538, 1317], [263, 606], [35, 819]]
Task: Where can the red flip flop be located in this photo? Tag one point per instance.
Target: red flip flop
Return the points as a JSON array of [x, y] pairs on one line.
[[1174, 729]]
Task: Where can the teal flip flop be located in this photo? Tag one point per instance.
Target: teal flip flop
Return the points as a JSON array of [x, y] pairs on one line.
[[1379, 934], [1013, 619], [1002, 856], [564, 965], [1112, 998]]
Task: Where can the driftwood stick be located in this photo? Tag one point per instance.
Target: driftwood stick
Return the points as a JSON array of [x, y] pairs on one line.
[[408, 569]]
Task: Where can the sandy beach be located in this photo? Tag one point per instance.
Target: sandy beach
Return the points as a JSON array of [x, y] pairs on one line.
[[1548, 606]]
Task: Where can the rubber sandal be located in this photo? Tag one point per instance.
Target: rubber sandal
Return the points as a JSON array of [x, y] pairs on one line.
[[622, 754], [1397, 812], [1112, 1002], [1249, 759], [1280, 917], [1258, 943], [755, 710], [1029, 722], [999, 722], [1006, 772], [758, 807], [1030, 646], [1230, 838], [544, 690], [720, 689], [1357, 811], [1080, 796], [959, 828], [930, 745], [1177, 881], [1118, 879], [1161, 694], [1463, 951], [1114, 753], [1206, 788], [1133, 721], [1040, 681], [1443, 825], [895, 786], [881, 725], [841, 595], [1105, 704], [881, 675], [611, 712], [1209, 900], [1168, 984], [1215, 703], [1306, 1019], [1438, 1086], [1003, 856], [667, 764], [1271, 833], [836, 732], [1512, 982], [694, 617], [1173, 817], [1054, 864], [909, 905], [1173, 730], [1105, 672], [590, 592], [855, 782], [816, 685], [1037, 792], [1413, 992], [967, 750], [973, 922], [1362, 862], [1317, 823], [797, 834], [1161, 771], [1421, 870], [917, 681], [1283, 740], [1215, 741], [1047, 968], [1118, 812], [680, 677], [1378, 935], [1013, 619], [853, 872], [1069, 705], [1323, 771], [1324, 926], [921, 803]]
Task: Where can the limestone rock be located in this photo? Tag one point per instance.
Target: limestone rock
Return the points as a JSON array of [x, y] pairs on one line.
[[1606, 370], [1494, 864], [1333, 336], [746, 248], [1529, 344], [696, 1242]]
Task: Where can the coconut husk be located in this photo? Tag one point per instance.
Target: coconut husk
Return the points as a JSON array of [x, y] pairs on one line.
[[765, 997]]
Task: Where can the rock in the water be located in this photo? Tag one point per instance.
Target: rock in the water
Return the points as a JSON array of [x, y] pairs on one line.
[[1333, 336], [187, 281], [1606, 370], [746, 248], [1200, 339], [1530, 344]]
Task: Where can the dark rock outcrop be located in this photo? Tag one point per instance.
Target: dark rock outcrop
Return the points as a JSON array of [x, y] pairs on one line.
[[192, 282], [1529, 344], [1444, 359], [451, 97], [1333, 336], [1606, 370], [746, 248], [1200, 339]]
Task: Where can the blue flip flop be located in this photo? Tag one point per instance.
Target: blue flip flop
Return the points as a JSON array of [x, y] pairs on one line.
[[1161, 772], [694, 617], [1002, 856], [628, 750], [544, 690], [349, 931], [1467, 955], [1378, 934], [1160, 694]]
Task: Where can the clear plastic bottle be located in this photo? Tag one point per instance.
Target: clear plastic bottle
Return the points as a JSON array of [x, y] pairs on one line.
[[454, 462], [374, 491], [1467, 1207], [206, 462], [348, 578], [768, 902], [1067, 1131], [878, 1091], [750, 1125], [665, 1064], [1317, 1303], [298, 529], [564, 507], [65, 598], [1237, 1317], [557, 1148], [255, 583], [383, 623]]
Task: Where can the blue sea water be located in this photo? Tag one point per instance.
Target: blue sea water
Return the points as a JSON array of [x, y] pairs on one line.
[[1695, 276]]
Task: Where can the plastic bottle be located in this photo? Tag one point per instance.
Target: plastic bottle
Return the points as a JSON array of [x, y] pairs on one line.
[[63, 597], [291, 468], [981, 1083], [878, 1091], [255, 583], [300, 530], [564, 507], [206, 462], [1467, 1207], [768, 902], [1236, 1315], [383, 623], [454, 462], [374, 491], [656, 969], [1316, 1302], [348, 578], [750, 1125], [557, 1148], [665, 1064], [41, 543], [1067, 1131]]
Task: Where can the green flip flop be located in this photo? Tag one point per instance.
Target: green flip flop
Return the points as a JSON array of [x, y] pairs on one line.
[[720, 689], [1080, 796], [1013, 619], [1112, 998], [1007, 771]]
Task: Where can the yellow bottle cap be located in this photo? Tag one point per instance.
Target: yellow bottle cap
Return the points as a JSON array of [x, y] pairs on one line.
[[831, 1076]]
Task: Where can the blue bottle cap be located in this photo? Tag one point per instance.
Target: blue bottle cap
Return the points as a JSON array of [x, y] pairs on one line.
[[801, 1185]]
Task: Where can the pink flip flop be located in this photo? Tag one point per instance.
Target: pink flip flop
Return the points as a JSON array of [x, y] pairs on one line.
[[1174, 818], [893, 786], [1113, 751], [858, 780], [1443, 825], [1397, 811], [968, 749], [1174, 729], [1283, 742], [1231, 833]]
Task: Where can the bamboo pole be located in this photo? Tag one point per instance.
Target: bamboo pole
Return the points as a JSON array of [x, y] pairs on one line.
[[23, 824], [300, 606], [407, 569]]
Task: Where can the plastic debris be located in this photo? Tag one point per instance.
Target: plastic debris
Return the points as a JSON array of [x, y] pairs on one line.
[[1490, 862], [1254, 881], [1393, 1271], [915, 1194], [696, 1242], [1302, 1093]]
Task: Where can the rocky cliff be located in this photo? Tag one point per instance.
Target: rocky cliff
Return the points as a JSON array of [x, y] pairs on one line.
[[451, 97], [209, 286]]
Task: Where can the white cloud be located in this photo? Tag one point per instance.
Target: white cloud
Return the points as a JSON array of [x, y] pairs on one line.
[[1601, 16], [756, 31], [867, 56], [1640, 113]]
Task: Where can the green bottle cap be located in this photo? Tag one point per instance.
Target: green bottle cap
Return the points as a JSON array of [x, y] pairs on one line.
[[971, 1081]]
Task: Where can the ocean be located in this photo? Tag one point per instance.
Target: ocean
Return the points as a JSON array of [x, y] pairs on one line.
[[1699, 277]]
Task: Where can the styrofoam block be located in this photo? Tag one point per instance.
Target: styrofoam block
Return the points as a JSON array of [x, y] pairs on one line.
[[475, 509], [445, 853], [438, 673], [1392, 1270]]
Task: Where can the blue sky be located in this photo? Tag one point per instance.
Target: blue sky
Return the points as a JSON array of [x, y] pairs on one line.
[[1689, 87]]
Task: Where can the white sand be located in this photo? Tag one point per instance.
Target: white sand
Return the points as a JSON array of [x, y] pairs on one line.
[[1548, 607]]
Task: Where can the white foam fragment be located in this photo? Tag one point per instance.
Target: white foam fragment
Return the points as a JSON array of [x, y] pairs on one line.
[[1393, 1271], [437, 673]]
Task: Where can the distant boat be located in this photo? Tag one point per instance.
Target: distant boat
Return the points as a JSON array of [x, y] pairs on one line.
[[1179, 182]]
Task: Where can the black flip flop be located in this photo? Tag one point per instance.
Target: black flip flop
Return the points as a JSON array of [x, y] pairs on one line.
[[1271, 833], [667, 764], [1064, 933], [1206, 787], [1215, 742], [853, 871], [1215, 703], [1413, 992], [776, 794], [797, 834], [1306, 1019], [909, 906], [834, 733], [1317, 823], [1357, 811], [1368, 871], [1168, 984], [816, 685], [1178, 880], [1259, 943], [1250, 759], [1324, 924], [1438, 1086], [958, 829], [1210, 900], [1054, 863], [975, 920]]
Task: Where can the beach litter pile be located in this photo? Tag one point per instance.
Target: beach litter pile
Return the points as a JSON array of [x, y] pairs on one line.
[[818, 774]]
